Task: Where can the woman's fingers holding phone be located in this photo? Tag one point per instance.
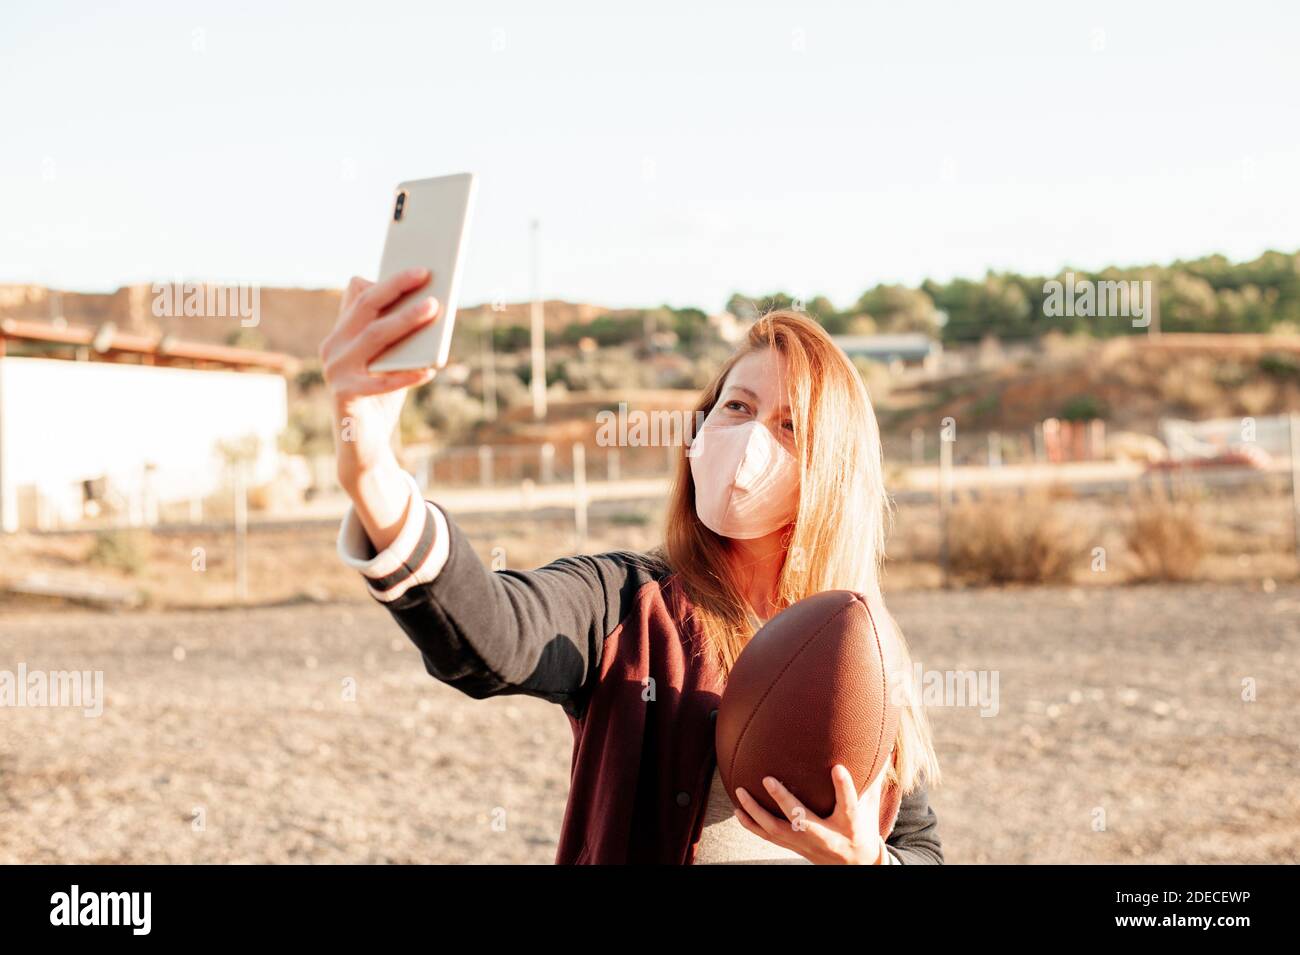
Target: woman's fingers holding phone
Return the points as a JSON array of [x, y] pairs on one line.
[[362, 301], [347, 321], [379, 296], [367, 406], [380, 335], [358, 383], [388, 381], [347, 352], [356, 285]]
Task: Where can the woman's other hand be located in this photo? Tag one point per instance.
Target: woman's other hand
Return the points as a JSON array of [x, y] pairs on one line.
[[850, 835]]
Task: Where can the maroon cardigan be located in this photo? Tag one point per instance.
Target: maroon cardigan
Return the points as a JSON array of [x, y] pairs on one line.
[[608, 637]]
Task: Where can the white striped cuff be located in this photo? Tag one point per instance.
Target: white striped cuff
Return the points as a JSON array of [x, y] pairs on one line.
[[415, 557]]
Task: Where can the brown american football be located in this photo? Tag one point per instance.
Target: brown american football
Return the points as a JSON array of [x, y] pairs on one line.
[[808, 691]]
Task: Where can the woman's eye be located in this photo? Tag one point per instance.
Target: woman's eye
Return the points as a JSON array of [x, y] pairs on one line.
[[788, 425]]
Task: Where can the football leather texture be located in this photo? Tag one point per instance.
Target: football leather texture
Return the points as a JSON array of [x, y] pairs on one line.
[[809, 690]]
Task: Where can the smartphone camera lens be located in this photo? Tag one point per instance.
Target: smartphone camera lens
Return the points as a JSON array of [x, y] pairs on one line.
[[401, 204]]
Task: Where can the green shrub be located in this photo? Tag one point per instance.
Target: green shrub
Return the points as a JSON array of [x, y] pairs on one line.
[[117, 549], [629, 519], [1280, 366], [1083, 408]]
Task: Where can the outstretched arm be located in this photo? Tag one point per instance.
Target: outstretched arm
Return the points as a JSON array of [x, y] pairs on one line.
[[485, 632]]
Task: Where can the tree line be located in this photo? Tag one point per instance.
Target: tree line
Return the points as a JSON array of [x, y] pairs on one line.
[[1209, 294]]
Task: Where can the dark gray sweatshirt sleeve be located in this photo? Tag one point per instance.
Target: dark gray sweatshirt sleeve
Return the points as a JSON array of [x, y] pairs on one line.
[[915, 839], [538, 632]]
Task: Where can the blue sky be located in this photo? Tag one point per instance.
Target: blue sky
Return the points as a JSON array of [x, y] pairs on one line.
[[673, 152]]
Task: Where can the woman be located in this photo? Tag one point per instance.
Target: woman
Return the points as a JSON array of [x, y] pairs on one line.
[[779, 496]]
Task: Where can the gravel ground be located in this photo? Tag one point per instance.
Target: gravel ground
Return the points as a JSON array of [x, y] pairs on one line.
[[310, 733]]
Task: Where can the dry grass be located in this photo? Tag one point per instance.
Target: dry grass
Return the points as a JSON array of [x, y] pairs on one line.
[[1165, 535], [1024, 539], [1247, 535], [118, 549], [195, 566]]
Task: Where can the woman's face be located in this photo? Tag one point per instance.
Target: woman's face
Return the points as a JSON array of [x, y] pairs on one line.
[[743, 459], [756, 390]]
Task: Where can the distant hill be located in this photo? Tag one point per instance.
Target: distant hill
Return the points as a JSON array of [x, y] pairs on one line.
[[291, 320], [1130, 382]]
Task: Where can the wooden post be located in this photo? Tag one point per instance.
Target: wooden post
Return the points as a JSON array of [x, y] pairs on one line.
[[1096, 440], [149, 497], [547, 463], [485, 465], [43, 522], [241, 534], [918, 446], [1294, 420], [611, 464], [489, 366], [580, 495], [8, 489], [945, 501], [537, 336], [1153, 310]]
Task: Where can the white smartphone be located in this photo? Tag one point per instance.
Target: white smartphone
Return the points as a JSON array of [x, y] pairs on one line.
[[427, 226]]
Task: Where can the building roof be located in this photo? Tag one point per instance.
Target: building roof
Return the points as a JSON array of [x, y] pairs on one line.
[[900, 345], [106, 343]]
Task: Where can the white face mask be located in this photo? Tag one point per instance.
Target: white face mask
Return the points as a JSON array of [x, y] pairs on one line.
[[746, 482]]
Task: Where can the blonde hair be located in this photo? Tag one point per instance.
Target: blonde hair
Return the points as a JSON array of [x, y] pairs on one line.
[[837, 540]]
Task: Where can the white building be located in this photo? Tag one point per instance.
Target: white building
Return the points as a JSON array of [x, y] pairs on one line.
[[910, 348], [730, 328], [84, 408]]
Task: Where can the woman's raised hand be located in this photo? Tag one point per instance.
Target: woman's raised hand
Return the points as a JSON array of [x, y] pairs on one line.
[[367, 405]]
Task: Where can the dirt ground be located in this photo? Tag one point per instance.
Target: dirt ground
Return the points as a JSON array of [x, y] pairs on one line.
[[1121, 735]]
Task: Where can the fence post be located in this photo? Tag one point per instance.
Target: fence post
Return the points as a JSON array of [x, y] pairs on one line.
[[241, 534], [1294, 421], [149, 497], [945, 501], [580, 495], [547, 463], [611, 464], [995, 450], [485, 465], [918, 446]]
